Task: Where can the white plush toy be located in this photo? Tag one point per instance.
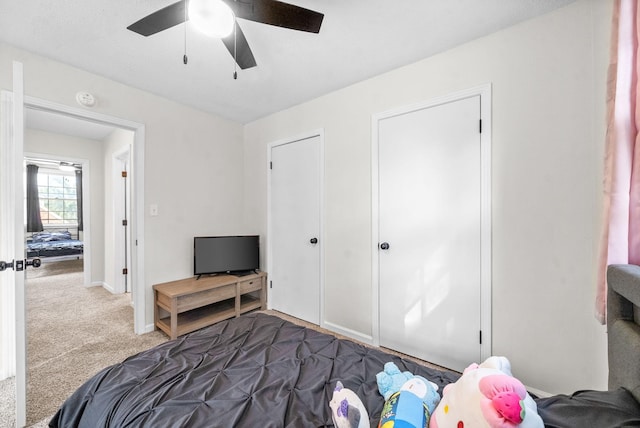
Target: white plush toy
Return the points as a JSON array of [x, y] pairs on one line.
[[347, 410], [486, 396]]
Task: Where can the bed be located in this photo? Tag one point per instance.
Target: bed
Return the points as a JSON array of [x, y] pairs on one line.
[[262, 370], [54, 243]]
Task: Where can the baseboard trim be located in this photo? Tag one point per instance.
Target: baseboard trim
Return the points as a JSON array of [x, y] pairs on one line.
[[149, 328], [356, 335], [107, 287]]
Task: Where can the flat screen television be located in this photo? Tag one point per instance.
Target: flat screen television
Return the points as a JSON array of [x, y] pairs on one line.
[[226, 254]]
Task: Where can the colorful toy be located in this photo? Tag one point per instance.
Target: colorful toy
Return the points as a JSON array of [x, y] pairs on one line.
[[391, 380], [347, 410], [486, 396], [406, 408]]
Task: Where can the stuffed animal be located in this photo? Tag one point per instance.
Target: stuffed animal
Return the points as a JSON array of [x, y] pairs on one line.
[[391, 379], [406, 408], [347, 410], [486, 396]]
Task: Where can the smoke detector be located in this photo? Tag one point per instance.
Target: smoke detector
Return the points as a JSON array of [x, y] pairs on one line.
[[85, 99]]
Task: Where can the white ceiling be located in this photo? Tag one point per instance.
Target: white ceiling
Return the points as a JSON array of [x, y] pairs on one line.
[[358, 39], [66, 125]]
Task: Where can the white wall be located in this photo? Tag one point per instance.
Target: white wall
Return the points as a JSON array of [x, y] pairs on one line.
[[548, 78], [48, 143], [193, 161]]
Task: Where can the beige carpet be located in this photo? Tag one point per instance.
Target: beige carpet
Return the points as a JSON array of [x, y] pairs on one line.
[[72, 333], [7, 403]]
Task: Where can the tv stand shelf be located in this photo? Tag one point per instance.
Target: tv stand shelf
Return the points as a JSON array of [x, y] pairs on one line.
[[190, 304]]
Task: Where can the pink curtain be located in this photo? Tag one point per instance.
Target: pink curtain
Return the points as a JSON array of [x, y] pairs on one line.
[[621, 232]]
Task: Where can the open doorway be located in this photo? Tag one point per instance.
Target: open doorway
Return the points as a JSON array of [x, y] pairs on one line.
[[13, 310], [67, 118], [54, 210], [62, 280]]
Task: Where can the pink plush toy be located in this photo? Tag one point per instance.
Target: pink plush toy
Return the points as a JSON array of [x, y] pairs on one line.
[[486, 396]]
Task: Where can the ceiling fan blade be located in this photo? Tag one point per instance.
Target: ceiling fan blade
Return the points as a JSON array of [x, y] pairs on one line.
[[277, 13], [160, 20], [243, 55]]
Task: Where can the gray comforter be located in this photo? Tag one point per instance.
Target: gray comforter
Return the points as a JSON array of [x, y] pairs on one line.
[[261, 371], [253, 371]]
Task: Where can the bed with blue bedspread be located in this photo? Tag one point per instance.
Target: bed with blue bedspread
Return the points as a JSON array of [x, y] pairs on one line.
[[54, 243]]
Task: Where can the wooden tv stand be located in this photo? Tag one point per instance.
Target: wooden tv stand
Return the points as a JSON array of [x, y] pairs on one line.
[[190, 304]]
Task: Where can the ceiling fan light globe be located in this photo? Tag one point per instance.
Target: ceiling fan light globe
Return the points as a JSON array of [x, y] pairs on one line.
[[211, 17], [66, 166]]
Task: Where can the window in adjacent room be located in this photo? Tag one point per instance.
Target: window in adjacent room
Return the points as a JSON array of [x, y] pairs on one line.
[[58, 198]]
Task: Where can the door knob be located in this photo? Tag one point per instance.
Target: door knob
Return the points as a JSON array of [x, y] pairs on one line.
[[314, 240], [36, 263], [19, 265], [384, 246]]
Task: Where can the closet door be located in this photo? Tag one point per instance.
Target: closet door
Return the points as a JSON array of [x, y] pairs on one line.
[[429, 231], [295, 241]]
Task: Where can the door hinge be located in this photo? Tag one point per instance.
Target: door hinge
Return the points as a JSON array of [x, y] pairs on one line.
[[125, 271], [270, 165], [124, 174], [481, 337], [480, 125], [125, 222], [270, 284]]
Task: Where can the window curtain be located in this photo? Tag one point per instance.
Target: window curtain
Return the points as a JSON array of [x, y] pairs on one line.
[[34, 221], [620, 242], [79, 198]]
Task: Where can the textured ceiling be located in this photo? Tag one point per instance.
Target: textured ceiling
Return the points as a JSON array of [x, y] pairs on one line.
[[358, 39], [66, 125]]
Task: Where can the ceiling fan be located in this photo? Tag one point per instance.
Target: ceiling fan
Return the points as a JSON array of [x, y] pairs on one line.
[[270, 12]]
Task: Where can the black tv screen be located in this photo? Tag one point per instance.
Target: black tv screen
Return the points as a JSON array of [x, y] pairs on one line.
[[225, 254]]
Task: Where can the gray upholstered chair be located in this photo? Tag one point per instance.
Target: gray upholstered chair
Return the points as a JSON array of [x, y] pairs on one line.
[[623, 320]]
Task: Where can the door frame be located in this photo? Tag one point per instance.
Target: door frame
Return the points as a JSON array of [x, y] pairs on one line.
[[484, 91], [292, 140], [137, 219]]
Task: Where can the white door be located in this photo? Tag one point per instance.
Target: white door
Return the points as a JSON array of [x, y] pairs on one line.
[[122, 216], [430, 232], [12, 237], [295, 233]]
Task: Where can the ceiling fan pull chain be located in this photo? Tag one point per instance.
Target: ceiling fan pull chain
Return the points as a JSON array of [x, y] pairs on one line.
[[235, 49], [184, 57]]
